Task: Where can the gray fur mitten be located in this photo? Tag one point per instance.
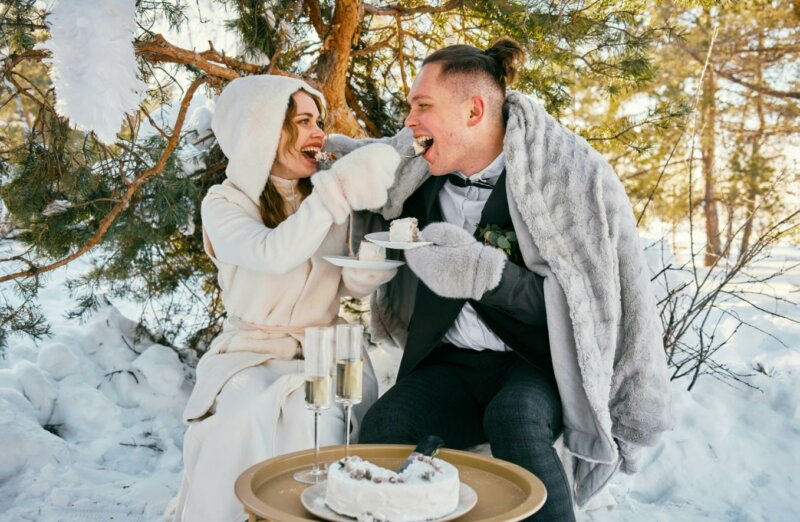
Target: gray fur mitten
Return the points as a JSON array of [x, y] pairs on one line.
[[456, 265]]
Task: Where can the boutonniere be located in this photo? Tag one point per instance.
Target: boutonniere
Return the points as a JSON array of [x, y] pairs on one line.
[[505, 240]]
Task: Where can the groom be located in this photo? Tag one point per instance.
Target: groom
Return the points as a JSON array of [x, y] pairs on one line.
[[556, 333]]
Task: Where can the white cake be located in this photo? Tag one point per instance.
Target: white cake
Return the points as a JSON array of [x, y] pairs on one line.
[[371, 252], [425, 490], [403, 230]]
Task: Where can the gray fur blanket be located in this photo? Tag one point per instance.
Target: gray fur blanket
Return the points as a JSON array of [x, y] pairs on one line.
[[576, 227]]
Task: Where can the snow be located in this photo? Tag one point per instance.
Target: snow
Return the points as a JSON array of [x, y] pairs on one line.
[[733, 454], [90, 418], [94, 68], [114, 399]]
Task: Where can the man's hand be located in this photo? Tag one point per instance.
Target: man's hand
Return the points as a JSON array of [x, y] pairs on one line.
[[456, 265]]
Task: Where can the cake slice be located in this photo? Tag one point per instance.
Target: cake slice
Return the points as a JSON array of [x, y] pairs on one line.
[[371, 252], [324, 159], [404, 230]]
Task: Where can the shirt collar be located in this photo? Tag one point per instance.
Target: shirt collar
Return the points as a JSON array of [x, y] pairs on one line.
[[491, 172]]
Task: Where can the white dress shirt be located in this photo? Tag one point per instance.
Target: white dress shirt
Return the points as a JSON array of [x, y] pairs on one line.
[[462, 206]]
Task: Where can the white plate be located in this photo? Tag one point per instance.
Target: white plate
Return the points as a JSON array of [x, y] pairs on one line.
[[382, 239], [354, 262], [313, 499]]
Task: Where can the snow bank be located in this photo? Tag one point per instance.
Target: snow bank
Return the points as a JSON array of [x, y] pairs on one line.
[[91, 425]]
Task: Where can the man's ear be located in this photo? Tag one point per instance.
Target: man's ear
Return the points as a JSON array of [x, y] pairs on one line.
[[477, 111]]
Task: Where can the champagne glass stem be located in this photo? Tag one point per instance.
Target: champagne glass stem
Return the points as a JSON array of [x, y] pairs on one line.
[[315, 470], [348, 411]]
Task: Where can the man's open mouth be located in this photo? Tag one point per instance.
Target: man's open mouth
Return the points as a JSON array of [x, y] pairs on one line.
[[422, 144]]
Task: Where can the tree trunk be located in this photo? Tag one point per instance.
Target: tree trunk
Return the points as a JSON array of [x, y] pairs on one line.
[[334, 63], [709, 108], [755, 152]]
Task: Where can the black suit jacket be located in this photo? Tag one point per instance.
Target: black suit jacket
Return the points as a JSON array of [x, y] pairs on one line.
[[514, 310]]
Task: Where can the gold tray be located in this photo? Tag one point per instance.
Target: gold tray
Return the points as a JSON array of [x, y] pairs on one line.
[[506, 492]]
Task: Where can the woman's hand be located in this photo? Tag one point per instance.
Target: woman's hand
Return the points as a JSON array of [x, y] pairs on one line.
[[358, 181], [366, 174]]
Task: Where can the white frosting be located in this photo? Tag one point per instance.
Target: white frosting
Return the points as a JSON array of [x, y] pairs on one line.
[[371, 252], [427, 489], [403, 230]]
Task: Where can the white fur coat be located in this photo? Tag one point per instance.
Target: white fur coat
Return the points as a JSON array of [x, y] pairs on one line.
[[576, 228]]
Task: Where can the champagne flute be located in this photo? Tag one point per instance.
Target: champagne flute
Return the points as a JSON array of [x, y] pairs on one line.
[[318, 354], [349, 373]]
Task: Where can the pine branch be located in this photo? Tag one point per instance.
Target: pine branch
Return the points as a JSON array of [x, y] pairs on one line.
[[314, 13], [383, 44], [108, 220], [731, 77], [160, 50], [399, 10], [352, 102]]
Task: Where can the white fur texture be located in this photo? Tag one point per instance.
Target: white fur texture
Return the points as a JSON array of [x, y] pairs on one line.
[[365, 175], [411, 172], [456, 265], [327, 185], [247, 123]]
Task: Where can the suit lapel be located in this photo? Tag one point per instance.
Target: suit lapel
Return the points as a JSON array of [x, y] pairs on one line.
[[495, 212], [431, 211], [433, 314]]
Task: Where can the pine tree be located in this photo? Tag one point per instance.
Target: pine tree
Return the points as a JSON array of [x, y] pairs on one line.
[[137, 202]]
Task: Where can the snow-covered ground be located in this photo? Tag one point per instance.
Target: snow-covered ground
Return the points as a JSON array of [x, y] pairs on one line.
[[90, 429], [90, 418]]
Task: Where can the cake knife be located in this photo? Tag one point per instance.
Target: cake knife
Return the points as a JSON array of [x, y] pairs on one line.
[[428, 446]]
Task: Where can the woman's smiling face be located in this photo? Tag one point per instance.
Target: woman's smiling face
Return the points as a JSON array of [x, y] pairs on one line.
[[297, 158]]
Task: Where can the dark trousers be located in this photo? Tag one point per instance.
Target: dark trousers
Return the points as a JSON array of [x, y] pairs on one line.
[[468, 398]]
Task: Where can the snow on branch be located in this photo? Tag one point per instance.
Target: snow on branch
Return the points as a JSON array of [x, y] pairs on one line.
[[94, 64]]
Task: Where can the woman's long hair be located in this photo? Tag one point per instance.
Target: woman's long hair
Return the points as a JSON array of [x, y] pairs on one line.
[[273, 210]]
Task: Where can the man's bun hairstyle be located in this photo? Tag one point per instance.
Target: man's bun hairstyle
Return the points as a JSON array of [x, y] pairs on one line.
[[509, 55], [501, 61]]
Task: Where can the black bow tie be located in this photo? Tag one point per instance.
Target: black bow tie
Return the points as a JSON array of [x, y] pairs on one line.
[[458, 181]]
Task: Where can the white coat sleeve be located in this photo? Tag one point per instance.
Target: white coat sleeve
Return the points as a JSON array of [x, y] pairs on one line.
[[239, 239]]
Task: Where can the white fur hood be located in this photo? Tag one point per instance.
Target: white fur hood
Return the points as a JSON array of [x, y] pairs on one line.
[[247, 123]]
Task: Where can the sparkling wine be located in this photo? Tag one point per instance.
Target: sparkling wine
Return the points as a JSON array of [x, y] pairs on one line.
[[348, 380], [318, 392]]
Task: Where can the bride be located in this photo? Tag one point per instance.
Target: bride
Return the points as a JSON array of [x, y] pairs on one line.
[[266, 227]]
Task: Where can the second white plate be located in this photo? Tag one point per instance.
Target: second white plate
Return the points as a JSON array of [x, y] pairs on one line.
[[382, 239], [354, 262]]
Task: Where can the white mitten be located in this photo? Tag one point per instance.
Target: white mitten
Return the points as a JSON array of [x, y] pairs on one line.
[[456, 265], [366, 174], [327, 186], [361, 282]]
